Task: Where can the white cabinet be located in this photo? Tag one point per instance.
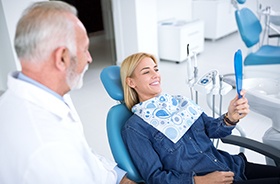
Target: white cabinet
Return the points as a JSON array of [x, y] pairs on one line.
[[218, 16], [174, 36]]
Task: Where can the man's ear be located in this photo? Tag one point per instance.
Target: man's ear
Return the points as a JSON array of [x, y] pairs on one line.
[[130, 82], [62, 58]]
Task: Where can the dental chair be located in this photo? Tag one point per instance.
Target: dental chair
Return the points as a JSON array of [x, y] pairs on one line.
[[271, 21], [118, 115], [116, 118], [261, 60]]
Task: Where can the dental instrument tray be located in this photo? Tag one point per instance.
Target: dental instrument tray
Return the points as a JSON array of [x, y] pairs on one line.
[[238, 71], [205, 83], [210, 83]]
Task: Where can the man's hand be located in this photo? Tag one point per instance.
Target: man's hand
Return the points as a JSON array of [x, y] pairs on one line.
[[125, 180], [215, 178]]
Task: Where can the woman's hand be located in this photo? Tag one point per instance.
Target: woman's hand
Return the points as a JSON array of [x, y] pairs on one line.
[[238, 108], [215, 178]]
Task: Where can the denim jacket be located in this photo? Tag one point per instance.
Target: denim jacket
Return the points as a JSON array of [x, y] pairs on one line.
[[159, 160]]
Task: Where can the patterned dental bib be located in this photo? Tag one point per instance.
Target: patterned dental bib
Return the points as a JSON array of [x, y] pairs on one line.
[[171, 115]]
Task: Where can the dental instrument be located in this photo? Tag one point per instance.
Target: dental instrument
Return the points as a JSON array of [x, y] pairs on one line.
[[195, 74], [189, 72], [192, 74], [213, 99]]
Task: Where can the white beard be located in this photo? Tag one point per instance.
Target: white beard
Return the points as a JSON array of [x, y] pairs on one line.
[[75, 81]]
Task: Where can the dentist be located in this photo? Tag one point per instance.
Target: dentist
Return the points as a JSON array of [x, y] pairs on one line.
[[41, 135]]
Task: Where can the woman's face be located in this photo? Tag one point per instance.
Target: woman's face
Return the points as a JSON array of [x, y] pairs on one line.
[[145, 79]]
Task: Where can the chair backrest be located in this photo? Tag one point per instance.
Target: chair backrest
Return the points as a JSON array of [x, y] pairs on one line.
[[116, 118], [249, 26]]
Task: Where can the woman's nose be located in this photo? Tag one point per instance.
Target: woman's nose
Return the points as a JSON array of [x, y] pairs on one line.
[[155, 74]]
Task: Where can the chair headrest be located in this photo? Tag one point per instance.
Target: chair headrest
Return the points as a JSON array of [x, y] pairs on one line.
[[241, 1], [249, 26], [111, 80]]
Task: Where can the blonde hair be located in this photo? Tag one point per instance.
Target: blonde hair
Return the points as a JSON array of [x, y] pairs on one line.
[[127, 69]]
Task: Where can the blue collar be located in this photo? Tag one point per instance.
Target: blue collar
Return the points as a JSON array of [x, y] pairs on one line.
[[23, 77]]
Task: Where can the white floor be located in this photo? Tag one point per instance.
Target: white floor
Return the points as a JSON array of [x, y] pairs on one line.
[[92, 101]]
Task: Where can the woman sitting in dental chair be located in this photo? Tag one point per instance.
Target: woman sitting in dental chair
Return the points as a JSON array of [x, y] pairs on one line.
[[168, 136]]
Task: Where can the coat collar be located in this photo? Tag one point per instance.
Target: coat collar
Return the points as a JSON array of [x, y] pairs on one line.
[[42, 98]]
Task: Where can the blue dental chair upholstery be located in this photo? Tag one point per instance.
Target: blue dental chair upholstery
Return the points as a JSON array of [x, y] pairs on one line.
[[118, 115], [250, 29], [116, 118]]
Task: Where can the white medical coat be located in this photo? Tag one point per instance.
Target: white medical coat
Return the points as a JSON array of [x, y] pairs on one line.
[[42, 140]]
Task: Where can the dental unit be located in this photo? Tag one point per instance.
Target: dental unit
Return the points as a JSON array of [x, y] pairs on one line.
[[263, 95], [210, 84]]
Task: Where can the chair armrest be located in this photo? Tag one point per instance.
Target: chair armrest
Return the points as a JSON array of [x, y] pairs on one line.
[[253, 145]]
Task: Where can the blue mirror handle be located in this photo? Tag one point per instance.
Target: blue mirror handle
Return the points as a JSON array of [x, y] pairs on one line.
[[238, 67]]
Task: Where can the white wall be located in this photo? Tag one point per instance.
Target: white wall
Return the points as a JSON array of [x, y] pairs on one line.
[[10, 11], [8, 57], [254, 4], [135, 23], [179, 9], [135, 27], [275, 4]]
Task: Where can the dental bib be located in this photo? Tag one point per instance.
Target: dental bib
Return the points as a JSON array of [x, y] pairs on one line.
[[172, 115]]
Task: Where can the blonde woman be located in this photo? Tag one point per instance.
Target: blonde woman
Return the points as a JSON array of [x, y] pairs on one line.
[[168, 136]]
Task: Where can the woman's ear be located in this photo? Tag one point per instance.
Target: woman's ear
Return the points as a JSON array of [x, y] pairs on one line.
[[62, 58], [130, 82]]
